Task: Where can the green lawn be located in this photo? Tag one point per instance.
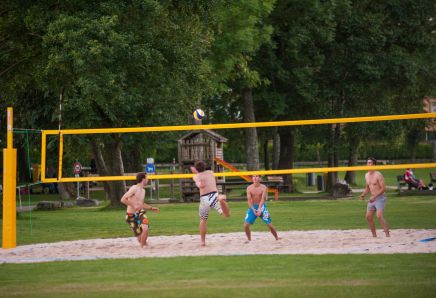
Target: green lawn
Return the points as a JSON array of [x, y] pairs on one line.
[[234, 276], [394, 275]]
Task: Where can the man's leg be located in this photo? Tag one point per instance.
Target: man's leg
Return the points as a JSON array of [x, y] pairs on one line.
[[247, 230], [383, 222], [273, 231], [203, 223], [144, 235], [371, 224], [224, 205]]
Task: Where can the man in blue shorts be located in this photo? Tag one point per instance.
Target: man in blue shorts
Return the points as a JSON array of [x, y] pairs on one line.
[[375, 184], [256, 196]]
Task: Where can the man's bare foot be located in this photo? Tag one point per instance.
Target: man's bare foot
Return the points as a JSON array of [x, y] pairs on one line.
[[247, 241], [203, 244], [388, 234]]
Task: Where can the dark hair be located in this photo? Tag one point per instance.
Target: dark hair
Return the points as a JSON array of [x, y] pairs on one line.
[[200, 166], [140, 176], [374, 161]]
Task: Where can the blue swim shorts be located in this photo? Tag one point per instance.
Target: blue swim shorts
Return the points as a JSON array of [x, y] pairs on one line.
[[250, 217]]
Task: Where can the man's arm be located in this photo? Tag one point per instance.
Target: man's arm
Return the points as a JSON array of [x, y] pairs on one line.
[[250, 200], [366, 191], [196, 179], [198, 182], [127, 196], [262, 201], [149, 207]]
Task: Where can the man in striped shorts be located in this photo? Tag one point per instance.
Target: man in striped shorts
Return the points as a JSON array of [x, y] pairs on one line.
[[209, 197]]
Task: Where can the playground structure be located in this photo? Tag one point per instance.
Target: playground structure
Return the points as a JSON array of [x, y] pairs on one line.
[[196, 145], [10, 158]]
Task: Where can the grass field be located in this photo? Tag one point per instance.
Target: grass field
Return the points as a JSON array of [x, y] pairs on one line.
[[237, 276], [398, 275]]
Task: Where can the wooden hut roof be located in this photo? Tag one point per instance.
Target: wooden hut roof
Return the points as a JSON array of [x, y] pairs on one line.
[[217, 137]]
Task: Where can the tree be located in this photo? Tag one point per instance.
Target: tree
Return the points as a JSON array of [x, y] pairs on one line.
[[239, 31], [373, 62], [114, 64], [291, 64]]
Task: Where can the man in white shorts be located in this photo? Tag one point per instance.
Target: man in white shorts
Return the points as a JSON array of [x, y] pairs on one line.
[[209, 197], [375, 184]]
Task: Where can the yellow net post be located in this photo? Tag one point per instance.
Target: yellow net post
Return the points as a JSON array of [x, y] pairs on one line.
[[9, 185]]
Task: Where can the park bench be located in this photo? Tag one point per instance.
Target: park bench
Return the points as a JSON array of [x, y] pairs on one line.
[[401, 182], [411, 189], [433, 177], [275, 184]]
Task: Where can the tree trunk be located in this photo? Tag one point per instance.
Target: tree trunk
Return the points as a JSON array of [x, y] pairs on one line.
[[64, 191], [276, 149], [286, 160], [109, 163], [433, 143], [132, 160], [23, 165], [266, 154], [333, 159], [251, 141], [353, 155], [318, 154], [413, 153]]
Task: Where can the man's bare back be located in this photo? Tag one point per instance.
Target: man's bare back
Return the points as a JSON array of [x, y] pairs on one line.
[[206, 182]]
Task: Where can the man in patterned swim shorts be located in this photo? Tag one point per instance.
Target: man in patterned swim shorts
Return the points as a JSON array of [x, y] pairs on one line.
[[209, 197], [375, 184], [136, 209], [256, 197]]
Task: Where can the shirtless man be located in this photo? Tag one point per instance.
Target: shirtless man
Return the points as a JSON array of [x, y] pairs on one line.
[[136, 209], [209, 197], [375, 184], [256, 196]]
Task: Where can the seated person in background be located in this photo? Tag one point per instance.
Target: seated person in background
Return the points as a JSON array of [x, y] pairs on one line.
[[410, 179]]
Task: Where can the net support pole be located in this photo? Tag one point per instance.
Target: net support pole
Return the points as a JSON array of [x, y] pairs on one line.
[[9, 239]]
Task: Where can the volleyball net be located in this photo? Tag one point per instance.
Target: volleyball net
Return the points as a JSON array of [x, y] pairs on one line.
[[10, 157], [64, 132]]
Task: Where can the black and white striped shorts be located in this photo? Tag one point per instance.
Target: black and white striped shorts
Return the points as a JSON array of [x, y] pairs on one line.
[[207, 201]]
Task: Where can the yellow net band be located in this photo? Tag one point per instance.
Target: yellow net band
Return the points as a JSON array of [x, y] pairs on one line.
[[249, 173], [241, 125]]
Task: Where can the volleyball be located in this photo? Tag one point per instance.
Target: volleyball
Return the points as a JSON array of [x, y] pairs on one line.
[[198, 114]]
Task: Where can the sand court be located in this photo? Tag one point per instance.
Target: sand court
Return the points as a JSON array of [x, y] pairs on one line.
[[291, 242]]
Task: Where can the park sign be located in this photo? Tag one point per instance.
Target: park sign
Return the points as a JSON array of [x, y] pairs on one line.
[[150, 168], [77, 168]]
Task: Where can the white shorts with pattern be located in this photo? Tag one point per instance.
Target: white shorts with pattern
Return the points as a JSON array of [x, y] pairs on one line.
[[207, 201]]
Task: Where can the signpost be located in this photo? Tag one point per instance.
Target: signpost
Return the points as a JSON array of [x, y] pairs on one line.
[[150, 168], [77, 169]]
